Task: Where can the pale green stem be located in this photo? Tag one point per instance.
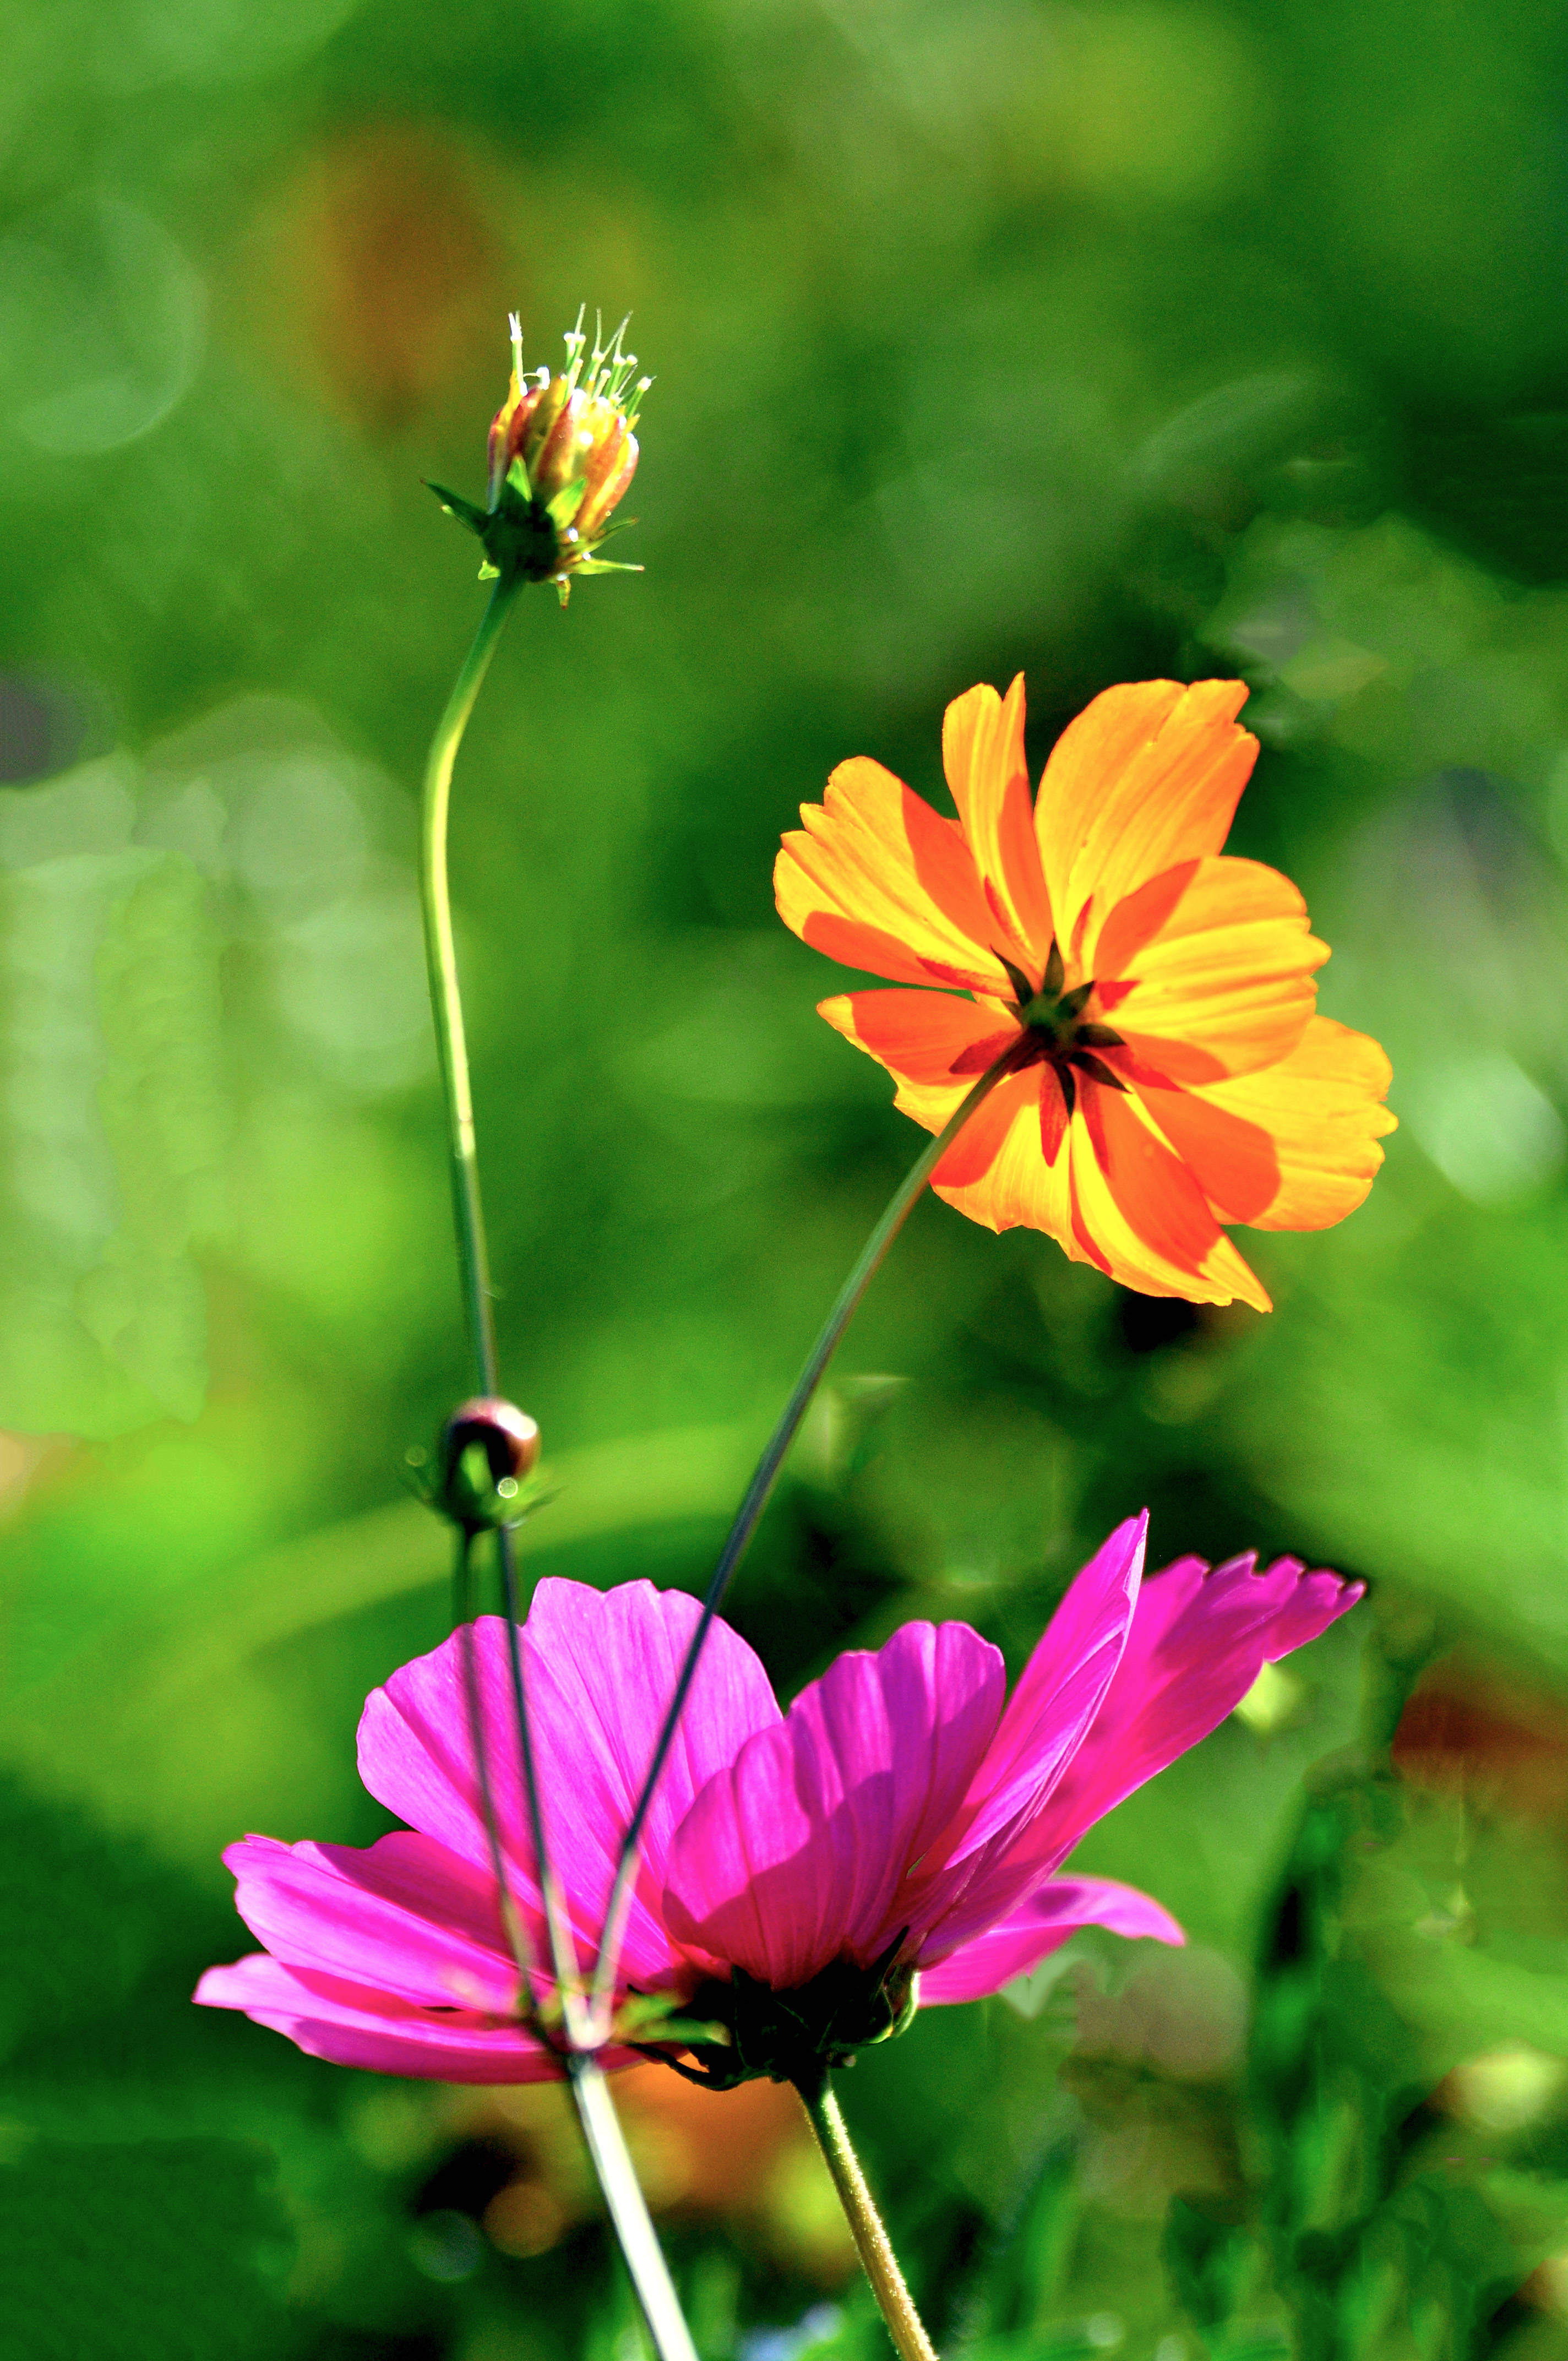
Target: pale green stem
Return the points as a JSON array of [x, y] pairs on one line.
[[618, 2179], [445, 1001], [756, 1499], [601, 2126], [872, 2243]]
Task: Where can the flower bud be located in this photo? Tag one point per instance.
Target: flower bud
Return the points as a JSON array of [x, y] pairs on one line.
[[486, 1450], [562, 452]]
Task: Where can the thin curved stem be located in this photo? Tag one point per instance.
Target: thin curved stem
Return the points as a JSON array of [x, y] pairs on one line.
[[871, 2242], [601, 2127], [763, 1478], [445, 1001]]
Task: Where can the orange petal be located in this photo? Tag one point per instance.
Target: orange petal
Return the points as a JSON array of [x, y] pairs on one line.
[[1207, 971], [1008, 1167], [1293, 1148], [877, 879], [925, 1037], [1140, 1213], [982, 755], [1147, 775]]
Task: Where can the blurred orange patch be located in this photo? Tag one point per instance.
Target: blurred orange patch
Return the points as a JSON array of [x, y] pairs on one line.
[[1464, 1730], [387, 274]]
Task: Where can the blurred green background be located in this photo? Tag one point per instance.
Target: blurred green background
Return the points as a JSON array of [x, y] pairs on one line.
[[1101, 340]]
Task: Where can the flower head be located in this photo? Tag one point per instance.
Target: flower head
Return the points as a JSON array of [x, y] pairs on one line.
[[1152, 996], [807, 1878], [562, 454]]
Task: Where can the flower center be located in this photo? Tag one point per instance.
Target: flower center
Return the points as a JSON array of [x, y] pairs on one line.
[[1056, 1033], [791, 2035]]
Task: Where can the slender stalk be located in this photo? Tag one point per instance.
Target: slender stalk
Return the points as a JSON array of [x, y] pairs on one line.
[[617, 2178], [601, 2126], [516, 1933], [764, 1477], [445, 1001], [872, 2243]]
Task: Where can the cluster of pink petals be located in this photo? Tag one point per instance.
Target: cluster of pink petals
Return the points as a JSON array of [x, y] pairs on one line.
[[903, 1795]]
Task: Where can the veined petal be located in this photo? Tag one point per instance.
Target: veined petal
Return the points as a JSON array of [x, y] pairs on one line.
[[1049, 1716], [1199, 1639], [982, 755], [329, 2017], [1146, 776], [1040, 1926], [878, 880], [1062, 1686], [1291, 1147], [600, 1668], [925, 1037], [799, 1853], [1008, 1167], [1207, 970], [1197, 1643], [1141, 1216], [405, 1917]]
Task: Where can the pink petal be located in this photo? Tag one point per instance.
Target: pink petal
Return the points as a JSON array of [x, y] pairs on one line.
[[1063, 1687], [1039, 1927], [599, 1669], [406, 1918], [328, 2016], [799, 1853], [1197, 1643]]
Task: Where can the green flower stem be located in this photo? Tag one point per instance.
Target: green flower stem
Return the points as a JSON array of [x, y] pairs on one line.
[[467, 1205], [516, 1933], [894, 2299], [618, 2179], [600, 2124], [756, 1499], [446, 1004]]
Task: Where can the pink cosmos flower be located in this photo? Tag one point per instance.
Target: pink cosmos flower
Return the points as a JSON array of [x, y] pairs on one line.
[[904, 1819]]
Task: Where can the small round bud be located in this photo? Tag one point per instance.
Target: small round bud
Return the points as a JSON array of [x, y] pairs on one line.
[[506, 1435], [484, 1451]]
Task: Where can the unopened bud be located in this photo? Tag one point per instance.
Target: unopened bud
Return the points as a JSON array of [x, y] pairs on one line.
[[487, 1448], [562, 452]]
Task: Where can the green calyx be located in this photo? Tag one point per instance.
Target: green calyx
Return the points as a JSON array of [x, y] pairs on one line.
[[521, 537], [1055, 1032], [528, 539], [797, 2037]]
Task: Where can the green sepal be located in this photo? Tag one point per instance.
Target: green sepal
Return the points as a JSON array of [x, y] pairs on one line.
[[517, 477], [456, 506], [488, 573], [566, 503], [604, 565]]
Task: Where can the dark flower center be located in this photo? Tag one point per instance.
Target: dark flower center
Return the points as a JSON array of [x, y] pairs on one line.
[[796, 2037], [1056, 1031]]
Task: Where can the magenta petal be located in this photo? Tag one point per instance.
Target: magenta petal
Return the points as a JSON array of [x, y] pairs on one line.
[[1198, 1642], [1039, 1927], [330, 2017], [600, 1668], [1062, 1686], [406, 1918], [800, 1852]]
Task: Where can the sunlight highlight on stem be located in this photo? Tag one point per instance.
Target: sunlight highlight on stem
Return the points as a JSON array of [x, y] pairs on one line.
[[871, 2242]]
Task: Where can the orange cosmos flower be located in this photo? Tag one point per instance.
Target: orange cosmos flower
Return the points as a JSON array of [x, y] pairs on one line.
[[1152, 996]]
